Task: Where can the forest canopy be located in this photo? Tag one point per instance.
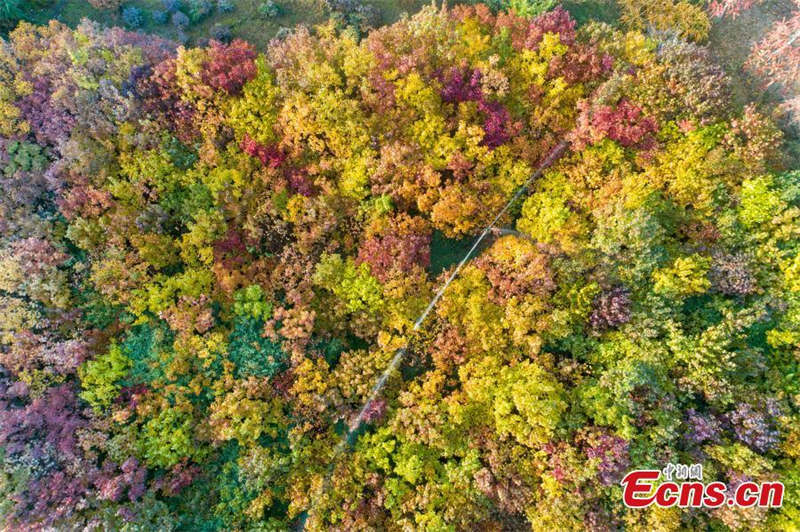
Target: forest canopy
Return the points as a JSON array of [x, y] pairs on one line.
[[209, 255]]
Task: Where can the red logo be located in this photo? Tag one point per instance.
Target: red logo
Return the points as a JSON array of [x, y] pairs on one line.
[[640, 490]]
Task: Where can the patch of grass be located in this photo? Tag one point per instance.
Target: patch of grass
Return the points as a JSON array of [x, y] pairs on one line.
[[600, 10], [69, 12], [446, 252], [392, 10], [245, 20]]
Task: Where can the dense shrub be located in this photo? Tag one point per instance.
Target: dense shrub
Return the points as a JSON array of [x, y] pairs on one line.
[[283, 32], [681, 16], [270, 9], [225, 6], [133, 17], [10, 13], [221, 33], [180, 20], [160, 16], [199, 9], [355, 13]]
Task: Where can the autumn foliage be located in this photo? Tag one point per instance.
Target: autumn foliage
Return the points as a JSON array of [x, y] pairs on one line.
[[210, 255]]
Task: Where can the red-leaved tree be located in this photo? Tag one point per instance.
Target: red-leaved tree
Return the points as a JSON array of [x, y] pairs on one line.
[[731, 8], [776, 59]]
